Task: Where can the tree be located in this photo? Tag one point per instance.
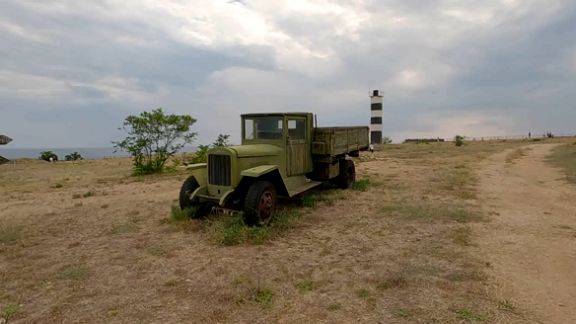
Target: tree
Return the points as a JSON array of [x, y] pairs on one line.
[[386, 140], [73, 157], [459, 140], [153, 137], [48, 156], [222, 140]]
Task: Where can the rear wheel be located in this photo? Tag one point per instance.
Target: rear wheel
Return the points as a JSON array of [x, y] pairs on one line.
[[347, 174], [260, 203], [199, 209]]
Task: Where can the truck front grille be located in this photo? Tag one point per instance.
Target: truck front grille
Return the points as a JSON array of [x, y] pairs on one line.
[[219, 170]]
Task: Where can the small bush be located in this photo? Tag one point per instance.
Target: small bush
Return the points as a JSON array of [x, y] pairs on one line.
[[361, 185], [201, 154], [73, 157], [458, 140], [48, 156]]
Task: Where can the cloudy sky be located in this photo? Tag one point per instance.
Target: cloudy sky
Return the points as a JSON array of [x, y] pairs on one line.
[[71, 70]]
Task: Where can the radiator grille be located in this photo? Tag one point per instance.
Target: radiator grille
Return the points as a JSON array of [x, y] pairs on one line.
[[219, 170]]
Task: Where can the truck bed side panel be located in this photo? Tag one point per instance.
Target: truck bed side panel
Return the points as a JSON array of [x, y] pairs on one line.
[[339, 140]]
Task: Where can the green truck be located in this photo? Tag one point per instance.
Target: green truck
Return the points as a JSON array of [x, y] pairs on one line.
[[282, 154]]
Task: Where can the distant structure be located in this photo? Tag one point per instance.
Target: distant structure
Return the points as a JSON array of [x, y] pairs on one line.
[[376, 117], [3, 141]]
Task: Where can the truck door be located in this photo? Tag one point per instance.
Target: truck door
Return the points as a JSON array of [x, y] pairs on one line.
[[298, 150]]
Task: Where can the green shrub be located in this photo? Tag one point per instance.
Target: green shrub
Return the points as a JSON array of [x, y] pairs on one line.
[[153, 137], [73, 157], [458, 140], [48, 156]]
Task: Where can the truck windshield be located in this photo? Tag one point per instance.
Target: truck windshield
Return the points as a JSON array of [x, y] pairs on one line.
[[265, 127]]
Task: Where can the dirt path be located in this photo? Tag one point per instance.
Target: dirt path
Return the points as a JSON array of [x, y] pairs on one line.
[[531, 240]]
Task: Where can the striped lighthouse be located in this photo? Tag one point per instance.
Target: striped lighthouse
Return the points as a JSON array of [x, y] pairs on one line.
[[375, 118]]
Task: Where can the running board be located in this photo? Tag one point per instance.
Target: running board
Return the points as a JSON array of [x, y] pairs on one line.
[[301, 185]]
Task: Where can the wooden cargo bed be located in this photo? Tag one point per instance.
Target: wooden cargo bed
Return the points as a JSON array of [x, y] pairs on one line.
[[333, 141]]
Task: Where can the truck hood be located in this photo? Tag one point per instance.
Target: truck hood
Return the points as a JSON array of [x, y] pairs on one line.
[[254, 150]]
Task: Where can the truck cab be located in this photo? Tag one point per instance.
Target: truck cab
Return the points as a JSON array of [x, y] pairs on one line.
[[276, 158]]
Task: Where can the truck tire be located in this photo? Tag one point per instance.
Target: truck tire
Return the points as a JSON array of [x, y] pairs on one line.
[[188, 187], [259, 203], [347, 174]]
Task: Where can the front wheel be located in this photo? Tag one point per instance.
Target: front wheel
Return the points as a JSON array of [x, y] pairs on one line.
[[188, 187], [347, 174], [260, 203]]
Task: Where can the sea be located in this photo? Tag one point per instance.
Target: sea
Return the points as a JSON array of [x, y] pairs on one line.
[[90, 153]]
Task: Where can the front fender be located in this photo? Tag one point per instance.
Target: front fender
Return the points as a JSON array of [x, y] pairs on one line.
[[265, 172], [200, 173]]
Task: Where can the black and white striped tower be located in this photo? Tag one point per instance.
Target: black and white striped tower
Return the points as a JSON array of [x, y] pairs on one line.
[[375, 118]]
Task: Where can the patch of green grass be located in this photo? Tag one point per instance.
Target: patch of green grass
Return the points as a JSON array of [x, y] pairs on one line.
[[230, 230], [429, 211], [334, 307], [305, 286], [9, 311], [462, 235], [361, 185], [157, 250], [507, 305], [363, 293], [76, 272], [10, 234], [401, 313], [264, 297], [564, 157], [178, 215], [309, 201], [469, 315]]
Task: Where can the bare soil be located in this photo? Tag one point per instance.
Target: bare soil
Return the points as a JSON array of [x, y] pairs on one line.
[[531, 240]]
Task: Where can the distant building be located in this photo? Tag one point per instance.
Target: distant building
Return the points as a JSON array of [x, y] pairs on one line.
[[5, 140], [376, 117]]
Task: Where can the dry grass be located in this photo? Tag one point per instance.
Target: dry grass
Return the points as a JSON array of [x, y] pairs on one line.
[[397, 249], [564, 157], [517, 154]]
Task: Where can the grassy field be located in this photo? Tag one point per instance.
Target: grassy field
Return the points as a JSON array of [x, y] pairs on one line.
[[564, 156], [87, 242]]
